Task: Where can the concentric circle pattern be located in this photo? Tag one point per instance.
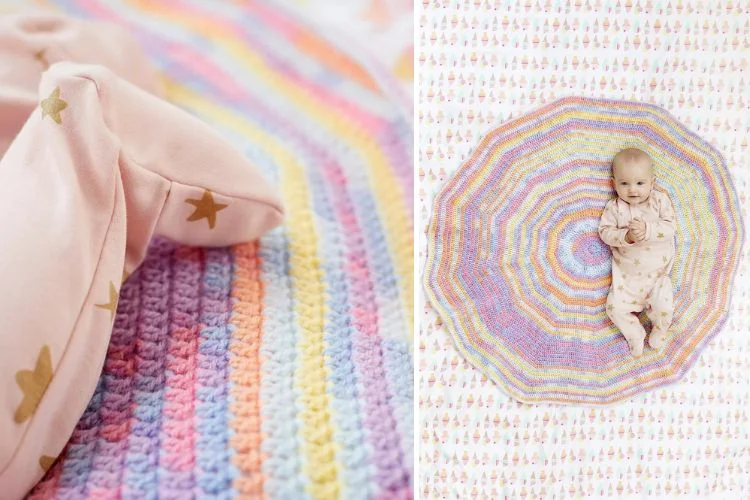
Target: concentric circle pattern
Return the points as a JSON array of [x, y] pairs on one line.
[[518, 273]]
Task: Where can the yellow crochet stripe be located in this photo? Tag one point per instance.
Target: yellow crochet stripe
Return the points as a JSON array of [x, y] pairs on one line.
[[478, 327], [391, 203], [392, 207], [311, 373]]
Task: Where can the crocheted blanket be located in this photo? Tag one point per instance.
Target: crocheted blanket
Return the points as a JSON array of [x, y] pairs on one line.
[[519, 275], [280, 368]]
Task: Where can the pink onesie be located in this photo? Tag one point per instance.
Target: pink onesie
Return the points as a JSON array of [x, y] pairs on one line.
[[99, 167], [640, 271], [32, 41], [93, 165]]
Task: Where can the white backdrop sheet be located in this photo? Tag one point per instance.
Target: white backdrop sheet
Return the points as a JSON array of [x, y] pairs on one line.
[[482, 62]]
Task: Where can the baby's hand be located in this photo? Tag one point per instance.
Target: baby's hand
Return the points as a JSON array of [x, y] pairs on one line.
[[637, 230], [638, 224], [631, 237]]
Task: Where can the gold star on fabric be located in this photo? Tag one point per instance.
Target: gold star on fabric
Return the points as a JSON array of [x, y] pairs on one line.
[[664, 313], [660, 235], [621, 288], [205, 208], [45, 462], [39, 56], [53, 105], [637, 262], [33, 384], [664, 258], [610, 307], [110, 306]]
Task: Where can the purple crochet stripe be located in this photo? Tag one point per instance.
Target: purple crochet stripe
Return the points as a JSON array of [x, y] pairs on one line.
[[213, 474], [142, 458], [177, 436]]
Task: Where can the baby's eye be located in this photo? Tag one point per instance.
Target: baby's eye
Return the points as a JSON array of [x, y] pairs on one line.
[[640, 183]]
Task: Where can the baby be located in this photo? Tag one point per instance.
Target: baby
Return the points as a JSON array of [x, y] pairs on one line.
[[639, 227]]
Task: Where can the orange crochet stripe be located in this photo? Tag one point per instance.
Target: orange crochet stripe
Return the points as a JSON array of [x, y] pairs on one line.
[[247, 317]]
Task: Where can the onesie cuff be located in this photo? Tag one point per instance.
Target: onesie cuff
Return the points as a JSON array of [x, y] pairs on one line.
[[623, 241]]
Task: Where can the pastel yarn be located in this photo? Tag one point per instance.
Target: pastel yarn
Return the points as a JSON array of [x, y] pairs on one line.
[[278, 368], [99, 168], [518, 273]]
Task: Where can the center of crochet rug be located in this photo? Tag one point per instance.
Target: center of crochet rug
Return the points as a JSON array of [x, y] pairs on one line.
[[589, 251]]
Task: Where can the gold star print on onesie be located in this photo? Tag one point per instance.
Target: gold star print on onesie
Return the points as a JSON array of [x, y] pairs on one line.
[[53, 105], [205, 208], [640, 282], [110, 306], [33, 384], [45, 462], [42, 58]]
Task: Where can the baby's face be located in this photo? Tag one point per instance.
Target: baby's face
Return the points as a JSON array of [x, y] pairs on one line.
[[634, 181]]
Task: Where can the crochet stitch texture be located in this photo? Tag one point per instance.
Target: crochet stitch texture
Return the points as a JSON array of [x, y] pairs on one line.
[[280, 368], [518, 273]]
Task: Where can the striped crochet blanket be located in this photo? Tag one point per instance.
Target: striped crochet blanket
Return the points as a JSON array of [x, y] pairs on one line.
[[280, 368], [518, 273]]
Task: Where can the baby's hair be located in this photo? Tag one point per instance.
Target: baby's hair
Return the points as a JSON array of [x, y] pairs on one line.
[[630, 155]]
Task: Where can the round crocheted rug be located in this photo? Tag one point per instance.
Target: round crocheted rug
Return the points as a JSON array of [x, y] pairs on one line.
[[517, 271]]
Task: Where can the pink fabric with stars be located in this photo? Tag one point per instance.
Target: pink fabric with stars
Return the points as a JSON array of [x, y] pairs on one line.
[[31, 41], [99, 168]]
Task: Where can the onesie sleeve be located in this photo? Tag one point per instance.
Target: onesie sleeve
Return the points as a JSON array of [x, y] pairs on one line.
[[99, 168], [663, 229], [608, 230]]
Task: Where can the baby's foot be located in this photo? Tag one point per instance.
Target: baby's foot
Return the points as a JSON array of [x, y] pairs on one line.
[[636, 348], [656, 338]]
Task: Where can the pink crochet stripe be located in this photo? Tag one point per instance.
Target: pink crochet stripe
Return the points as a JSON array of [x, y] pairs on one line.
[[177, 434]]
